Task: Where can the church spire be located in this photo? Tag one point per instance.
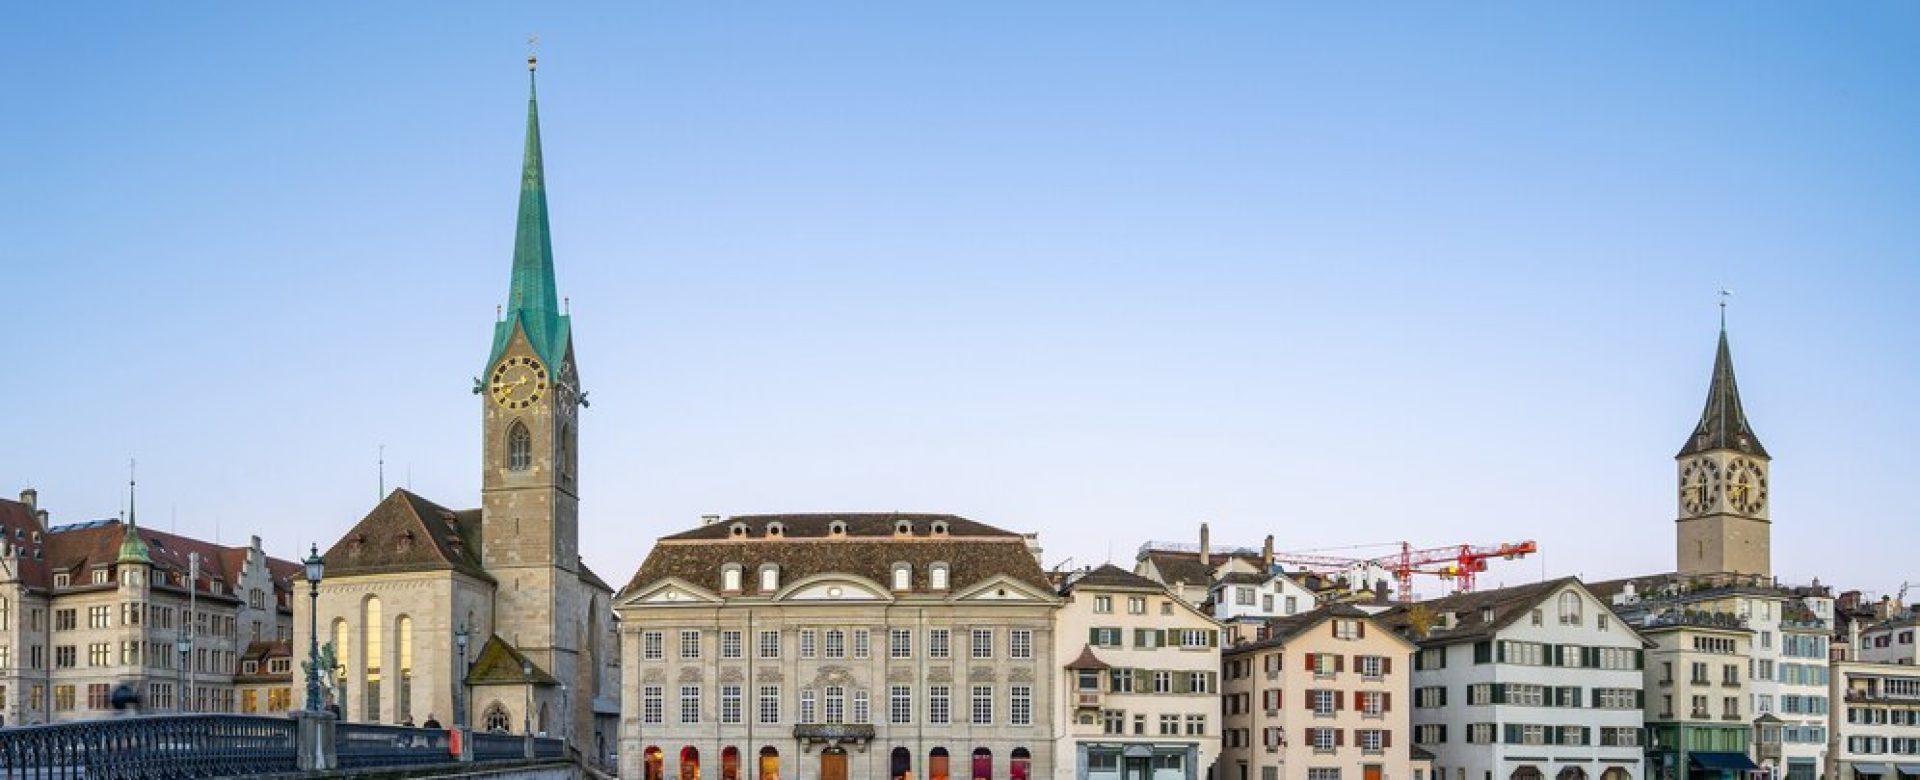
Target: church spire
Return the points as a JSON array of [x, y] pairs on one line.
[[532, 297], [1723, 424], [132, 548]]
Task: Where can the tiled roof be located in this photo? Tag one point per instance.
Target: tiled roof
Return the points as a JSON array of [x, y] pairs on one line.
[[500, 664], [1477, 615], [974, 553], [1280, 630], [1087, 660], [405, 532], [1111, 576], [820, 524]]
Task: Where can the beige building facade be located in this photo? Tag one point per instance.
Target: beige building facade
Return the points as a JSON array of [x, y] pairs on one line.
[[1139, 694], [1322, 696], [829, 647]]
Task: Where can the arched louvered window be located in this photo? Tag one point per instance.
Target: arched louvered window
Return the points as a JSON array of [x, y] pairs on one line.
[[519, 448]]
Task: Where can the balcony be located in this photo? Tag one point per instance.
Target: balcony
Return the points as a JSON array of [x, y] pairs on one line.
[[1087, 699], [1729, 683], [1701, 715]]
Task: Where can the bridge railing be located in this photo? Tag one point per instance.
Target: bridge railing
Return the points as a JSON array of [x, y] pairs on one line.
[[360, 745], [160, 747]]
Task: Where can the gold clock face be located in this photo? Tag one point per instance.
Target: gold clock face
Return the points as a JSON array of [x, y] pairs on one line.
[[518, 382], [1699, 485], [1746, 487]]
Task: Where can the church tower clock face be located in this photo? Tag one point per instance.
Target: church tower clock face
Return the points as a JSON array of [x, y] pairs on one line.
[[518, 382], [1746, 486], [1699, 485]]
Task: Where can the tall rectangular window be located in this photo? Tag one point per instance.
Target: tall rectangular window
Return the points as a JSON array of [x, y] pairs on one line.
[[982, 645], [808, 646], [900, 643], [769, 704], [982, 705], [836, 704], [862, 707], [729, 704], [808, 710], [1020, 705], [862, 643], [836, 643], [939, 705], [939, 642], [769, 644], [689, 644], [653, 645], [653, 704], [689, 704], [730, 644], [1020, 643], [900, 704]]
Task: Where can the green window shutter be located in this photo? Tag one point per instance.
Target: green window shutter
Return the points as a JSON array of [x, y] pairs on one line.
[[1499, 693], [1640, 699], [1213, 638], [1093, 637], [1180, 683]]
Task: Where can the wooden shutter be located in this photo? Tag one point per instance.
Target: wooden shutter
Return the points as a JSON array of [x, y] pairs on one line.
[[1339, 703], [1386, 665], [1307, 696], [1443, 697], [1386, 738], [1359, 700], [1313, 662], [1339, 737], [1339, 663], [1360, 629], [1093, 637], [1386, 701]]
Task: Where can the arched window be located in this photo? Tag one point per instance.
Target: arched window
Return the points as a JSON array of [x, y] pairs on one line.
[[769, 578], [653, 759], [837, 528], [903, 576], [689, 763], [519, 447], [937, 764], [901, 763], [371, 628], [1021, 766], [1569, 609], [403, 694], [982, 764], [730, 763], [937, 576], [342, 649], [730, 578], [497, 720], [769, 763]]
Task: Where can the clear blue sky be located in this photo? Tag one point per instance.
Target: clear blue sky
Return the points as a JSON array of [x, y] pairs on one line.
[[1101, 271]]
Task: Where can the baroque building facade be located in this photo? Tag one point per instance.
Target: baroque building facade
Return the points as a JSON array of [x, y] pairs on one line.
[[487, 617], [836, 646], [89, 607]]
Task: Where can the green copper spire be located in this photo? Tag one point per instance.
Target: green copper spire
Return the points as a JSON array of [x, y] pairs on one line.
[[532, 297], [132, 549]]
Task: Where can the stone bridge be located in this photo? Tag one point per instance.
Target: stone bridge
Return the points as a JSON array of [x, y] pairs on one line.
[[306, 745]]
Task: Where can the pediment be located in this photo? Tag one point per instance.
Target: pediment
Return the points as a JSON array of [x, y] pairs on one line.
[[672, 591], [1003, 589], [831, 587]]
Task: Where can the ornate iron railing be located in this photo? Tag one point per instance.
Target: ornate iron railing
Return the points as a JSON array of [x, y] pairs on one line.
[[160, 747], [360, 745]]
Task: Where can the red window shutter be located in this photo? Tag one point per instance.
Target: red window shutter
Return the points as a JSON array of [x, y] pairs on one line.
[[1339, 663], [1360, 627], [1386, 665], [1339, 737], [1309, 698], [1313, 662], [1359, 700], [1386, 702], [1338, 702], [1386, 739]]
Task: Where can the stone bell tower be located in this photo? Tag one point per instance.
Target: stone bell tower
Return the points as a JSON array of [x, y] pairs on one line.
[[1723, 479]]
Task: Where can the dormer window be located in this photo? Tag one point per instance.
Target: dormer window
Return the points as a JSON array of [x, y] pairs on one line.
[[738, 530], [903, 528], [903, 576], [937, 576], [730, 578], [939, 528], [769, 578], [776, 528], [837, 528], [61, 580], [100, 576], [1486, 615]]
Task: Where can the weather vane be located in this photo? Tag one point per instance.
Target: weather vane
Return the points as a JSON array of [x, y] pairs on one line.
[[533, 51], [1724, 295]]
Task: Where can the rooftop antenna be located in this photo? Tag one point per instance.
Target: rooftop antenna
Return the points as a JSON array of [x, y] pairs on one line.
[[383, 474], [498, 313], [566, 305]]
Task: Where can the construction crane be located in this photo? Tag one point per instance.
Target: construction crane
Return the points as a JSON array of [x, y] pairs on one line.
[[1458, 562]]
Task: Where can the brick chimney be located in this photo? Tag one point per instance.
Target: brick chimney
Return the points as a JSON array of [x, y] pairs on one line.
[[1206, 554], [31, 498], [1266, 556]]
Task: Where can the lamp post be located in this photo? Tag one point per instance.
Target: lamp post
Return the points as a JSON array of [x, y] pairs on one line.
[[526, 712], [316, 568], [461, 636]]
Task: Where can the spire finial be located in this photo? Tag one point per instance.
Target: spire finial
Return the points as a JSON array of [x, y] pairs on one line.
[[533, 55], [131, 465], [1724, 295]]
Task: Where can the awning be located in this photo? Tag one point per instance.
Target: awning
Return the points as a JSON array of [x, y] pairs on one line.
[[1870, 769], [1737, 762], [1908, 769]]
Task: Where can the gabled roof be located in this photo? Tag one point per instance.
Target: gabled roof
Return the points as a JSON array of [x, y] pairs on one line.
[[1723, 423], [1281, 630], [1109, 576], [500, 663], [405, 532], [975, 553], [1478, 614]]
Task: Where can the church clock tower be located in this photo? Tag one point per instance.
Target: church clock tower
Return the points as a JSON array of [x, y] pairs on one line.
[[530, 400], [1723, 488]]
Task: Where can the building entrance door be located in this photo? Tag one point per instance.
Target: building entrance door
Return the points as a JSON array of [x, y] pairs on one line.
[[1137, 769], [833, 764], [1370, 772]]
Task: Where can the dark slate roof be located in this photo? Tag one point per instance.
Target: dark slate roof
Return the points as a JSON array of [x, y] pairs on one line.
[[1282, 629], [1723, 423], [500, 664], [1111, 576], [587, 576], [974, 553], [1243, 578], [260, 652], [858, 524], [1184, 567], [1472, 612], [405, 532]]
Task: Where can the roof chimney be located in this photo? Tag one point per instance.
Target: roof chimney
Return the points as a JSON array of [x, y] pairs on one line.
[[31, 498], [41, 515], [1266, 556], [1206, 555]]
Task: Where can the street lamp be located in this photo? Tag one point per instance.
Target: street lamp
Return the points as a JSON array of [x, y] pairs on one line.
[[526, 713], [460, 638], [316, 568]]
